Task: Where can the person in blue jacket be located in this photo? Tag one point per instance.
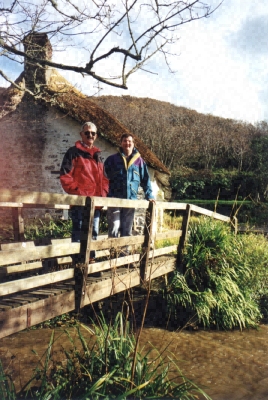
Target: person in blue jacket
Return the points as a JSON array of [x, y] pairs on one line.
[[126, 171]]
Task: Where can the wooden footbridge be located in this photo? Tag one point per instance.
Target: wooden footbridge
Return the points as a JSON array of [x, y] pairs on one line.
[[38, 279]]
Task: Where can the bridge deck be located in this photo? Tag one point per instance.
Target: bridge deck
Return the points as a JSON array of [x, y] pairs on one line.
[[22, 310]]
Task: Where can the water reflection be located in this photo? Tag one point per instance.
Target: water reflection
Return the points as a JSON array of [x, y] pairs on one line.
[[230, 365]]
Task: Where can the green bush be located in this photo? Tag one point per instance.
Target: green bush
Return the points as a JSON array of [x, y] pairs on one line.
[[208, 185], [225, 277]]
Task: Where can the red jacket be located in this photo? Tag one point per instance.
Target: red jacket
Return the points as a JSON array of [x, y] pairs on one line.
[[82, 172]]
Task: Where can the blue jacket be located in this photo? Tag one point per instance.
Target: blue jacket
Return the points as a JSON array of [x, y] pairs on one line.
[[126, 177]]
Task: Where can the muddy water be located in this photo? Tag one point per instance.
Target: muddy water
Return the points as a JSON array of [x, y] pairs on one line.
[[229, 365]]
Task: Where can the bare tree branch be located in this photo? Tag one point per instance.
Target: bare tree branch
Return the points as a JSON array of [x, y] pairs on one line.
[[126, 35]]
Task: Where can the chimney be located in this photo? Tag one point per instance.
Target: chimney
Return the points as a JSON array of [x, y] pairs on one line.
[[36, 45]]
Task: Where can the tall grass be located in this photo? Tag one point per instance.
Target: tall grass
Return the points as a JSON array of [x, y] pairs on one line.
[[101, 368], [225, 277], [55, 227], [47, 228], [7, 389]]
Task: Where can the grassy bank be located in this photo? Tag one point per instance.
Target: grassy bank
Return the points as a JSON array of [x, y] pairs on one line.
[[223, 282]]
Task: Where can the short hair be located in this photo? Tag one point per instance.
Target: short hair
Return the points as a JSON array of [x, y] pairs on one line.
[[126, 135], [90, 124]]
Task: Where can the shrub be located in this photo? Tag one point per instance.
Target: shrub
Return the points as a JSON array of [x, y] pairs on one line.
[[225, 277]]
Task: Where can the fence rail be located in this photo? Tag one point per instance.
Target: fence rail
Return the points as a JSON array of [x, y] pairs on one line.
[[38, 279]]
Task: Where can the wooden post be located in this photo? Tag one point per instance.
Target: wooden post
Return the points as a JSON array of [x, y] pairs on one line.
[[148, 239], [234, 225], [18, 224], [183, 238], [81, 269]]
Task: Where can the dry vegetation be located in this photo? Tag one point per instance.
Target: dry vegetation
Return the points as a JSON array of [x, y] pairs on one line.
[[184, 137]]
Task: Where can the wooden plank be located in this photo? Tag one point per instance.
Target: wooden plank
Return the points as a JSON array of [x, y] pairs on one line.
[[162, 268], [17, 246], [64, 260], [112, 263], [35, 281], [170, 206], [10, 204], [102, 253], [38, 252], [64, 287], [19, 318], [27, 205], [162, 251], [15, 301], [108, 287], [116, 242], [47, 205], [27, 297], [209, 213], [21, 196], [115, 202], [40, 293], [5, 307], [20, 268], [168, 235], [43, 292]]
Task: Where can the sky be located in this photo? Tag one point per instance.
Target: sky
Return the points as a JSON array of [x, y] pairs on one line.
[[221, 67]]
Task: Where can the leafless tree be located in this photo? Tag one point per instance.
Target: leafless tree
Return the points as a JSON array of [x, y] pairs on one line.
[[125, 34]]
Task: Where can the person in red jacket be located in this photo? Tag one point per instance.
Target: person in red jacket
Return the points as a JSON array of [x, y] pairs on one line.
[[82, 173]]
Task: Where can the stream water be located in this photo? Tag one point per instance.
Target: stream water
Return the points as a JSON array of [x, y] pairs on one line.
[[228, 365]]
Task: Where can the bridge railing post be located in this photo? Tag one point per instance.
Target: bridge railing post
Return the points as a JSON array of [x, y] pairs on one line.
[[183, 238], [148, 241], [18, 224], [81, 269], [234, 225]]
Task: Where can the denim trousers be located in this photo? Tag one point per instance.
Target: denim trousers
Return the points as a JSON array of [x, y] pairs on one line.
[[120, 221], [77, 214]]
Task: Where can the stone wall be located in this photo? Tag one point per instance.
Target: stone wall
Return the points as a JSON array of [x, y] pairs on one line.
[[34, 139]]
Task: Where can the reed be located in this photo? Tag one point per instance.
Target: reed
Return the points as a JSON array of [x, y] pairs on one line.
[[225, 277], [7, 388], [101, 368]]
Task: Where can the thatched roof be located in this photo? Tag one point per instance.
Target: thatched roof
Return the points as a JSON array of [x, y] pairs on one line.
[[61, 94]]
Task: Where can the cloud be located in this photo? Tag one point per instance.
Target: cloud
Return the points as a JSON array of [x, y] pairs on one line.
[[252, 36]]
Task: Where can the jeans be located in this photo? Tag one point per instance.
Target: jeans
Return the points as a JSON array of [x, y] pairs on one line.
[[77, 214], [120, 220]]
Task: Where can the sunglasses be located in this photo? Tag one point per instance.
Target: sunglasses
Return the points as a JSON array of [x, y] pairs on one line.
[[87, 133]]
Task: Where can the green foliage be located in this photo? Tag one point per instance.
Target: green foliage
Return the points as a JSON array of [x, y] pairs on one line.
[[7, 389], [225, 277], [208, 185], [55, 227], [51, 228], [105, 368]]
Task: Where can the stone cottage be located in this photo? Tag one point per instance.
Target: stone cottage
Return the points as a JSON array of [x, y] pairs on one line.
[[37, 131]]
